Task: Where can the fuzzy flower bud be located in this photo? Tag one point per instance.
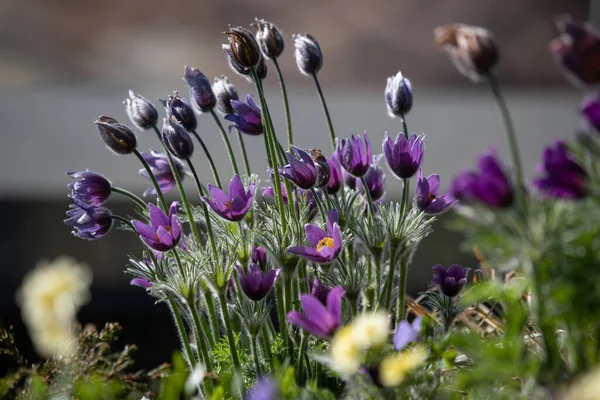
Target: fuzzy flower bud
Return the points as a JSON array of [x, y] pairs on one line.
[[472, 49], [308, 54], [398, 95], [201, 93], [116, 136], [140, 111], [269, 38], [176, 139], [243, 48], [179, 109], [225, 92]]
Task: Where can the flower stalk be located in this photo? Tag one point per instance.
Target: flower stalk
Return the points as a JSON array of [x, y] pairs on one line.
[[226, 142], [213, 168], [161, 198], [325, 109], [286, 104]]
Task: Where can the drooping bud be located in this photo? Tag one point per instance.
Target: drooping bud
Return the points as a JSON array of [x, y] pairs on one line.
[[323, 170], [472, 49], [269, 38], [140, 111], [308, 54], [180, 109], [116, 136], [243, 48], [201, 94], [261, 69], [225, 92], [398, 95], [176, 139], [246, 73]]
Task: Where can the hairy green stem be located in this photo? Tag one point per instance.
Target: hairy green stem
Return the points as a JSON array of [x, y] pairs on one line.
[[161, 198], [402, 290], [371, 205], [244, 153], [266, 346], [255, 355], [300, 360], [281, 315], [319, 204], [132, 196], [405, 182], [286, 103], [213, 168], [209, 230], [183, 337], [229, 331], [226, 141], [326, 110], [125, 221]]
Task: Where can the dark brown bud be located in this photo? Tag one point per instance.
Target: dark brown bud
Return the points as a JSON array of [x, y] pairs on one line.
[[176, 139], [269, 38], [243, 47], [116, 136], [472, 49], [323, 170]]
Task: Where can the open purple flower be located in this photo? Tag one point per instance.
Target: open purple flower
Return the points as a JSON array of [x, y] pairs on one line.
[[426, 195], [141, 282], [489, 185], [159, 165], [353, 156], [233, 206], [564, 177], [403, 155], [164, 231], [452, 280], [256, 284], [325, 245], [88, 222], [375, 179], [407, 333], [89, 188], [318, 319], [247, 117], [301, 169]]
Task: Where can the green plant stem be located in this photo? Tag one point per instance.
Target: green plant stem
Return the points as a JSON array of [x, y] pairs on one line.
[[401, 290], [255, 355], [387, 290], [184, 200], [282, 316], [286, 103], [405, 182], [125, 221], [226, 141], [182, 333], [510, 133], [201, 331], [244, 153], [229, 331], [369, 199], [209, 230], [326, 110], [212, 315], [289, 305], [213, 168], [300, 360], [319, 204], [159, 193], [132, 196], [266, 345]]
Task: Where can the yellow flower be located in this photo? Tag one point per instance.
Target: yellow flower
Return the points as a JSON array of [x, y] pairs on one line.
[[345, 355], [370, 330], [394, 368], [50, 297]]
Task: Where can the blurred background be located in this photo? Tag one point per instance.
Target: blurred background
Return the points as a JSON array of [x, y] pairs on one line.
[[64, 63]]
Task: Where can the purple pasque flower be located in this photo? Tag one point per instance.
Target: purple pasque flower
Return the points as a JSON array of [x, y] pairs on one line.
[[407, 333], [89, 188], [325, 245], [335, 176], [489, 185], [265, 389], [88, 222], [259, 256], [403, 155], [353, 156], [141, 282], [164, 231], [563, 177], [318, 290], [159, 165], [269, 191], [301, 168], [256, 284], [233, 206], [590, 109], [375, 179], [426, 195], [319, 319], [247, 117], [201, 94], [348, 179], [451, 280]]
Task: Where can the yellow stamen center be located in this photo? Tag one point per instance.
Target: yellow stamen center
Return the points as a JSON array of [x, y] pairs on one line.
[[228, 204], [325, 242], [431, 197]]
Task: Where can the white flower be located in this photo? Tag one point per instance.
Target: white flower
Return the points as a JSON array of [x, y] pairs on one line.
[[50, 297], [370, 330], [345, 355], [394, 368]]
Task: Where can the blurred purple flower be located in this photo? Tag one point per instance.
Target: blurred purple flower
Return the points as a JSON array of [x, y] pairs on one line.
[[407, 333], [563, 177], [88, 222], [247, 117], [159, 165], [317, 319], [256, 284], [452, 280]]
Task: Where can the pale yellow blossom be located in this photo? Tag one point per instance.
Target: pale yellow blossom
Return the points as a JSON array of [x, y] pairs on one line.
[[371, 330], [395, 367], [345, 355]]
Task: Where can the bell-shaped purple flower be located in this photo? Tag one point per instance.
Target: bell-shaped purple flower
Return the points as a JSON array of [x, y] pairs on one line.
[[563, 177], [335, 176], [232, 206], [354, 156], [179, 109], [256, 284], [201, 93], [159, 165], [407, 333], [403, 155], [426, 195], [259, 256], [348, 179], [89, 188], [590, 110], [141, 282], [398, 95], [89, 222], [247, 117], [325, 245], [452, 280], [164, 231], [318, 290], [375, 179], [301, 169], [318, 319], [489, 185]]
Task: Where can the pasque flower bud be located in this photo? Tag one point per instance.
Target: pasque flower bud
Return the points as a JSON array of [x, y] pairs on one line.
[[472, 49], [116, 136], [323, 170], [308, 54], [201, 94], [398, 95], [243, 48], [225, 92], [140, 111], [269, 38], [176, 139], [180, 109]]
